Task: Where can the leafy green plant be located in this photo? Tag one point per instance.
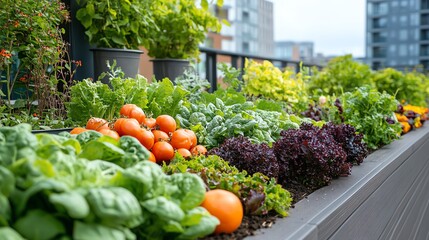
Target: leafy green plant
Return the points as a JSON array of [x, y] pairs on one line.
[[115, 24], [370, 112], [266, 80], [410, 87], [179, 27], [49, 189], [95, 99], [342, 74]]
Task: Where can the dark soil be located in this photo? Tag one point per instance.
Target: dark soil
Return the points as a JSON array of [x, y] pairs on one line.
[[251, 224]]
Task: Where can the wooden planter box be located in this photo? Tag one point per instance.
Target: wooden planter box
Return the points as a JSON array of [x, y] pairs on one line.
[[387, 197]]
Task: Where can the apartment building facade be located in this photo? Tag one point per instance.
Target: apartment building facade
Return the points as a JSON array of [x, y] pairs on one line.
[[397, 34], [251, 28]]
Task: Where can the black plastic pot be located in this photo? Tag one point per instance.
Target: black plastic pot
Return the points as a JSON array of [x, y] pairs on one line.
[[169, 68], [128, 60]]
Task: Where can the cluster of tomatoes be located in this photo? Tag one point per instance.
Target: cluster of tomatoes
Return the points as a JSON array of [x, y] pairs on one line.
[[159, 135]]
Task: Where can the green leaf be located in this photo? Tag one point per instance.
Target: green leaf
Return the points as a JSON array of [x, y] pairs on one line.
[[73, 202], [187, 190], [95, 231], [39, 225], [8, 233], [164, 209], [7, 181], [200, 223]]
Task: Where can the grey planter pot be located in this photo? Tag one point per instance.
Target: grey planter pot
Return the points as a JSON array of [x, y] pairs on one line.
[[128, 60], [169, 68], [387, 197]]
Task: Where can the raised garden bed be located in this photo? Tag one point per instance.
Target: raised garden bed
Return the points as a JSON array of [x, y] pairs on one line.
[[384, 198]]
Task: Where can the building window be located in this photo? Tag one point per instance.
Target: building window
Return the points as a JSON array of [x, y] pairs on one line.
[[404, 3], [379, 52], [414, 19], [392, 49], [403, 51], [424, 4], [403, 35], [246, 47], [379, 37], [424, 50], [403, 20], [424, 19], [379, 22], [377, 8], [245, 16], [424, 36]]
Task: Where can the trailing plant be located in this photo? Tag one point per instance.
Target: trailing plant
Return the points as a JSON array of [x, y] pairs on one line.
[[258, 193]]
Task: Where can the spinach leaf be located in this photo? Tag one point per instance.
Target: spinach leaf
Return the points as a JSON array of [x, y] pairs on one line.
[[39, 225]]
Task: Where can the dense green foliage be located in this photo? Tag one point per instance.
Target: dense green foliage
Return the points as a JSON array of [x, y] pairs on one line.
[[49, 189], [266, 80], [409, 87], [369, 111], [115, 24], [342, 74]]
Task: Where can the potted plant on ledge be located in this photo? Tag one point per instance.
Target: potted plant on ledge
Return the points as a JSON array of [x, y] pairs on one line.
[[116, 29], [179, 27]]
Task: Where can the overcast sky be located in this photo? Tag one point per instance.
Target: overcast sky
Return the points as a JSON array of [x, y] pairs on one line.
[[336, 27]]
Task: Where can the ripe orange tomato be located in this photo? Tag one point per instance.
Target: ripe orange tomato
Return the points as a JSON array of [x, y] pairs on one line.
[[151, 157], [78, 130], [193, 137], [117, 126], [184, 152], [130, 126], [111, 133], [97, 124], [149, 123], [163, 151], [126, 109], [138, 114], [166, 123], [160, 135], [198, 150], [145, 137], [180, 139], [226, 207]]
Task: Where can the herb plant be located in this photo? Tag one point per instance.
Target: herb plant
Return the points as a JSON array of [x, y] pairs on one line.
[[368, 111]]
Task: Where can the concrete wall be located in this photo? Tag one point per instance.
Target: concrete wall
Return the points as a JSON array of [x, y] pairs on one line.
[[386, 197]]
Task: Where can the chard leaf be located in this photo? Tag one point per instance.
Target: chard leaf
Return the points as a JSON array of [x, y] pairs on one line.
[[39, 225]]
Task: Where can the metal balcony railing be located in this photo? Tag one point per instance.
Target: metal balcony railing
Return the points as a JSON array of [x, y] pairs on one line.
[[238, 60]]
